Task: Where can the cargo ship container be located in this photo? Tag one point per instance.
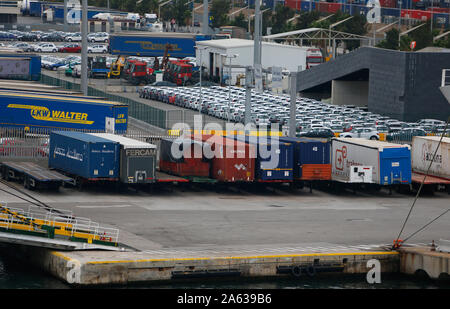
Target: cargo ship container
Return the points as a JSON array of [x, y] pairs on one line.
[[311, 158], [274, 158], [231, 160], [148, 44], [423, 149], [20, 66], [26, 110], [184, 162], [356, 158], [84, 157], [137, 159]]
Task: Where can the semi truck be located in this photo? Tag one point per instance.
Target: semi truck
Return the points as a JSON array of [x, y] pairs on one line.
[[153, 44], [33, 110], [20, 66]]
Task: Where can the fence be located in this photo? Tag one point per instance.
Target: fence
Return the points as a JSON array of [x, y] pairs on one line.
[[33, 143]]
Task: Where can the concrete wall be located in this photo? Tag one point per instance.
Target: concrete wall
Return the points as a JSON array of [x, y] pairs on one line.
[[349, 92], [402, 85]]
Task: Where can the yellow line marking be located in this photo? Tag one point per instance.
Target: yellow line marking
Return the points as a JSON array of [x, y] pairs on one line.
[[245, 257]]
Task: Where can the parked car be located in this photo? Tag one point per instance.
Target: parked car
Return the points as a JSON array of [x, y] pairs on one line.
[[23, 46], [318, 132], [70, 48], [367, 133], [97, 49], [73, 37], [98, 37], [46, 48]]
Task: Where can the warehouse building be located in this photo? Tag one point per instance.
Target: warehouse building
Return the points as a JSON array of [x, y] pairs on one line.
[[9, 11], [401, 85], [211, 55]]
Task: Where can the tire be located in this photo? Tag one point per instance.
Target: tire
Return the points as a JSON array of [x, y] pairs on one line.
[[296, 271], [39, 50], [373, 138], [69, 40], [55, 50], [310, 271]]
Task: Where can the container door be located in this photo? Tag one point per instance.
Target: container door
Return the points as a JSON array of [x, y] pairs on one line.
[[109, 125]]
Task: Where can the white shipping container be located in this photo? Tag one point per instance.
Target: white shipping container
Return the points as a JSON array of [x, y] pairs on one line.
[[348, 153], [423, 148]]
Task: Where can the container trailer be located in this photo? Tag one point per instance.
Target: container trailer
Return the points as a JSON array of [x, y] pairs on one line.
[[177, 157], [311, 158], [153, 44], [20, 66], [355, 159], [274, 160], [84, 157], [26, 110], [137, 159], [231, 160], [423, 149]]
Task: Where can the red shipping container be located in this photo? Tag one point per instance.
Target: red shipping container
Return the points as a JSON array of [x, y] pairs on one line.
[[293, 4], [316, 172], [190, 167], [188, 160], [328, 7], [388, 3], [416, 14], [231, 160]]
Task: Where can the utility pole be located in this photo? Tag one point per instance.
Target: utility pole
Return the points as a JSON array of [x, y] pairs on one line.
[[84, 60], [248, 95], [293, 106], [205, 24], [257, 35], [65, 16]]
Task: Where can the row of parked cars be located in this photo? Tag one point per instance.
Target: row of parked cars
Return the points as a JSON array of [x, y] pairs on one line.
[[46, 47], [313, 118], [53, 36]]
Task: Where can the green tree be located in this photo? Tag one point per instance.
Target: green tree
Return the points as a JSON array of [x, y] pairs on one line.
[[219, 12], [282, 14], [306, 19], [181, 11], [239, 21], [391, 40]]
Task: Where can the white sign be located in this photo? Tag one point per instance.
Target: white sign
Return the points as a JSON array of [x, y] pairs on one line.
[[258, 78], [277, 77], [73, 12], [374, 14]]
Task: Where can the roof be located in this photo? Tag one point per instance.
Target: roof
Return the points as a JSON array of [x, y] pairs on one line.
[[237, 43], [85, 137], [124, 141], [445, 140], [371, 143]]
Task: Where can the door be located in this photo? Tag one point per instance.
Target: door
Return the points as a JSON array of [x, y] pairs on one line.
[[109, 125]]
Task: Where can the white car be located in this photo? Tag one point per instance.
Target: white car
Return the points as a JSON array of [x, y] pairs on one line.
[[98, 37], [75, 37], [97, 49], [367, 133], [46, 48]]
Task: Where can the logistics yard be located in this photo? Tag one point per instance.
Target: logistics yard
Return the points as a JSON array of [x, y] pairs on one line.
[[168, 156]]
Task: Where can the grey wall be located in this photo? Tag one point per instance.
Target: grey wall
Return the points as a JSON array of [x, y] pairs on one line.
[[349, 92], [402, 85]]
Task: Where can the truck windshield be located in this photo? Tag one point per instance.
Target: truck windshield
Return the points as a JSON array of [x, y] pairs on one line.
[[314, 60]]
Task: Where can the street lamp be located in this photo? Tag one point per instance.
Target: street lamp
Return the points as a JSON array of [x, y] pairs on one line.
[[229, 81], [200, 51]]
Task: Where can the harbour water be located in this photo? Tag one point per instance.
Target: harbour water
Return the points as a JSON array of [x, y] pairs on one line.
[[15, 275]]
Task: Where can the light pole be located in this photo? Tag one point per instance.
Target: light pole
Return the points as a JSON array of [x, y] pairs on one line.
[[229, 81], [200, 51]]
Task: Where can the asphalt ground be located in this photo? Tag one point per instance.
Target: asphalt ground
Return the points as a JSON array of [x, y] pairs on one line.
[[203, 216]]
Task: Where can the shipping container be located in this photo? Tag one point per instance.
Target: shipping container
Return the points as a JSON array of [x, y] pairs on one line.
[[20, 66], [87, 157], [183, 157], [274, 158], [416, 14], [148, 44], [231, 160], [294, 4], [311, 158], [390, 163], [328, 7], [423, 149], [388, 3], [137, 159], [390, 12], [22, 109]]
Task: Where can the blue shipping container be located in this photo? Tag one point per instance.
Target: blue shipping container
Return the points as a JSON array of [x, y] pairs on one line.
[[274, 158], [84, 155], [153, 44], [308, 151], [20, 66], [23, 109]]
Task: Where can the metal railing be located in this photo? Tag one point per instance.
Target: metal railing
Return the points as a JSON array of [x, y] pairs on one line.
[[445, 77]]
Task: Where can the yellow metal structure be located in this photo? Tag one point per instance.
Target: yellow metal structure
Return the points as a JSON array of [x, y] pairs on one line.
[[116, 67]]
